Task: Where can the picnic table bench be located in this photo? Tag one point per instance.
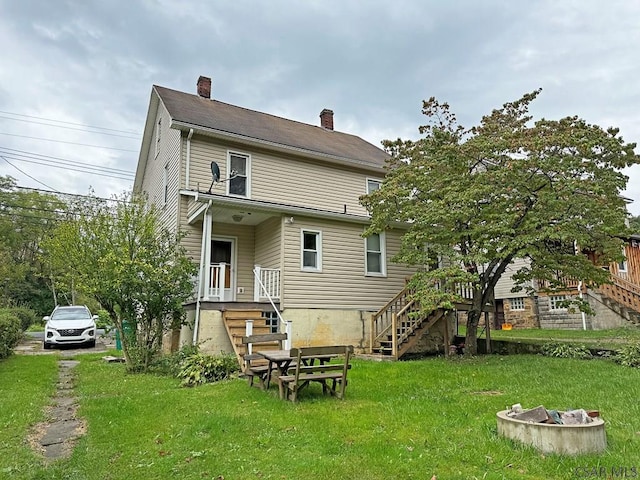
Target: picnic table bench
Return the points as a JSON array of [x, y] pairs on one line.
[[332, 376], [255, 365]]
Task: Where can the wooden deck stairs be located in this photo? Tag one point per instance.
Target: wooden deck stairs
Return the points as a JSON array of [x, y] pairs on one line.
[[623, 297], [397, 327], [235, 323]]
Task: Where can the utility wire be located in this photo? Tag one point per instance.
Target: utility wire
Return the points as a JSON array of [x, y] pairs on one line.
[[71, 123], [70, 128], [71, 194], [25, 153], [100, 173], [68, 143], [32, 178]]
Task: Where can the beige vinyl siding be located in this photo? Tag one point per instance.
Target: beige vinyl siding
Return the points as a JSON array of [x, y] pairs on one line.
[[153, 178], [267, 243], [287, 180], [506, 283], [342, 282], [245, 239]]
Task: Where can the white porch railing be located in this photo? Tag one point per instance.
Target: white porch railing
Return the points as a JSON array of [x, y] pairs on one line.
[[266, 284], [217, 282]]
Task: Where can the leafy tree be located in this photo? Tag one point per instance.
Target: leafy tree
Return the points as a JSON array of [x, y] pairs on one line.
[[26, 218], [634, 225], [508, 188], [118, 253]]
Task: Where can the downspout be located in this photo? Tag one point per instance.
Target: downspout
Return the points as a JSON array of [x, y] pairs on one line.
[[205, 230], [188, 161], [584, 317]]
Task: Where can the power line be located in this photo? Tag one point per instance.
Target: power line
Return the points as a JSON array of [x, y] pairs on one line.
[[71, 194], [32, 178], [68, 143], [43, 157], [71, 123], [69, 128], [102, 173]]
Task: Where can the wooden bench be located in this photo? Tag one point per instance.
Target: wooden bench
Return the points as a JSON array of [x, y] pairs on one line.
[[254, 364], [332, 376]]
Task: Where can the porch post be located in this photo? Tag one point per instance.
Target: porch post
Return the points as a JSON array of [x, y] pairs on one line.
[[256, 283], [206, 240], [248, 331], [288, 329]]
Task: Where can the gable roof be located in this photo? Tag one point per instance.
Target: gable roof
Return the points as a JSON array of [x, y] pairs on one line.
[[192, 111]]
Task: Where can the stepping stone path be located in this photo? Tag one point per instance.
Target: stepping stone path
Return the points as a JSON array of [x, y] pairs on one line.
[[56, 437]]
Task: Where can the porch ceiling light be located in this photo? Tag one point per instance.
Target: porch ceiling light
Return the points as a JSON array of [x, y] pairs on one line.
[[237, 218]]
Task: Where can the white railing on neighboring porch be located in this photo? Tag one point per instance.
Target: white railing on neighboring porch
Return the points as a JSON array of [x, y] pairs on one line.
[[266, 284], [217, 281]]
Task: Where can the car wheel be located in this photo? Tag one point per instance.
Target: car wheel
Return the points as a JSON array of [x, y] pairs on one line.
[[46, 346], [91, 344]]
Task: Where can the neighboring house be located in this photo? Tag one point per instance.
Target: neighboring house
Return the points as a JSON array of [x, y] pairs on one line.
[[283, 224], [614, 305]]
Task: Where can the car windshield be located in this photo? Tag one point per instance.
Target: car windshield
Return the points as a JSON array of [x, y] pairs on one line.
[[79, 313]]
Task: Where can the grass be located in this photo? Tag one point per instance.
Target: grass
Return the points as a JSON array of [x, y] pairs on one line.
[[400, 420]]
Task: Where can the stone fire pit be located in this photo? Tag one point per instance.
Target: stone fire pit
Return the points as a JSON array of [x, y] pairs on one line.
[[554, 438]]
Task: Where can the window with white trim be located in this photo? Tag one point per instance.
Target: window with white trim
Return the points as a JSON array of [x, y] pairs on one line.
[[272, 321], [158, 136], [238, 171], [516, 303], [622, 266], [311, 251], [373, 185], [375, 255], [555, 302], [165, 184]]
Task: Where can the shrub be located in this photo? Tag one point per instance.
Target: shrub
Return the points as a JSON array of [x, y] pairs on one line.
[[171, 364], [10, 332], [198, 368], [628, 355], [26, 316], [564, 350]]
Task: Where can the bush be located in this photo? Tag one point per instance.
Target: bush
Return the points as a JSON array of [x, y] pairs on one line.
[[628, 356], [171, 364], [198, 368], [26, 316], [564, 350], [10, 332]]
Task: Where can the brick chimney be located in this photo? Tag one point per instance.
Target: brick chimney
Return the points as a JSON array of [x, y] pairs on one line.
[[204, 87], [326, 119]]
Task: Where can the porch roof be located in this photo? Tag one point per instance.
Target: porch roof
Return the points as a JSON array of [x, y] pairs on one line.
[[258, 210]]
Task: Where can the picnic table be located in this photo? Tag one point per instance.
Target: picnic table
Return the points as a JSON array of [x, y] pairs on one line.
[[297, 367]]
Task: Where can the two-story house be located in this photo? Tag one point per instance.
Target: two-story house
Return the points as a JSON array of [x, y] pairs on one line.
[[279, 234]]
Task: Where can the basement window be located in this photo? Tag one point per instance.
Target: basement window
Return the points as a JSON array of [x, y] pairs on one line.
[[516, 303], [555, 302]]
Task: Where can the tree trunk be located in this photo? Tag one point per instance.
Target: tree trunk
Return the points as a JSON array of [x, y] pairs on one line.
[[471, 339]]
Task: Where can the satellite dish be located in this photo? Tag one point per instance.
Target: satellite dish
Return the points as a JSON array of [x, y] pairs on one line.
[[215, 172], [215, 175]]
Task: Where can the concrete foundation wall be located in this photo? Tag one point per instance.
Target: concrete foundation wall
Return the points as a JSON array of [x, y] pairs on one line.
[[604, 316]]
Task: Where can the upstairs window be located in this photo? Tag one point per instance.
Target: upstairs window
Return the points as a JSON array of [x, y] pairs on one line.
[[238, 168], [165, 184], [375, 255], [373, 185], [622, 266], [311, 251]]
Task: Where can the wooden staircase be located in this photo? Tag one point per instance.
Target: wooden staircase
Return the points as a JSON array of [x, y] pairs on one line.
[[235, 322], [623, 297], [397, 327]]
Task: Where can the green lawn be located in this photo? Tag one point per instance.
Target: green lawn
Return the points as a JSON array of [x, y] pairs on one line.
[[400, 420]]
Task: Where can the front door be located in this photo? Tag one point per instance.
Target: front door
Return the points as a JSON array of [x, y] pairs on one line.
[[222, 270]]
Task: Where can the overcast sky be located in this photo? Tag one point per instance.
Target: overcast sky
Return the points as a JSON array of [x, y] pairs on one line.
[[92, 64]]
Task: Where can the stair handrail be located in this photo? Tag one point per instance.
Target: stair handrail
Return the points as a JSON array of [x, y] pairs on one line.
[[285, 323], [626, 284]]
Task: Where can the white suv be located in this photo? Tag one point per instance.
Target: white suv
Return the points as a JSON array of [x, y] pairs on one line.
[[73, 325]]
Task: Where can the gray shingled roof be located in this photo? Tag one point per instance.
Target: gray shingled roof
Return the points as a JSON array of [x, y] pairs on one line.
[[220, 116]]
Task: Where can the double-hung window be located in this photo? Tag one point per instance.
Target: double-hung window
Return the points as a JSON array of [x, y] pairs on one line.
[[238, 170], [375, 255], [556, 302], [373, 185], [311, 254], [517, 303]]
